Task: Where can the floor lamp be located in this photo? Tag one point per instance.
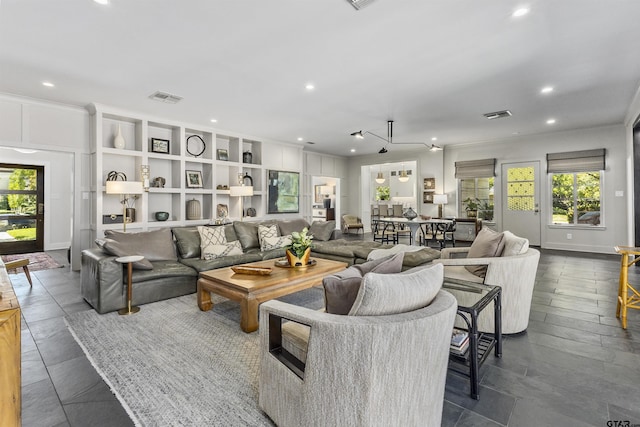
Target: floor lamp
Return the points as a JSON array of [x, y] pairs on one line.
[[126, 189], [241, 191], [440, 200]]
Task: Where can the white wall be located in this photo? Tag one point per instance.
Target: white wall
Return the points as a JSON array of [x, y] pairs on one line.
[[60, 133]]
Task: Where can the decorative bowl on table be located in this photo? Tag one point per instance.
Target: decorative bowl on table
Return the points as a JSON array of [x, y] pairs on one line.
[[162, 216]]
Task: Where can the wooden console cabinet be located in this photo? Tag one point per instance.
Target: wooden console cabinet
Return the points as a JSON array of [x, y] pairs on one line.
[[10, 381]]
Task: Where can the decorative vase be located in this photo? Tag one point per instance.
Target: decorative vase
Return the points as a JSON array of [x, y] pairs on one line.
[[472, 213], [294, 261], [130, 214], [118, 141], [162, 216], [327, 203], [193, 209], [410, 214], [247, 157]]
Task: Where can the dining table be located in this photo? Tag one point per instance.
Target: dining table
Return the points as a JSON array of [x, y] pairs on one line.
[[429, 226]]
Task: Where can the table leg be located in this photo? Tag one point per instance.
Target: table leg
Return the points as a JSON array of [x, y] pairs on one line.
[[497, 307], [129, 309], [204, 298], [623, 278], [249, 314], [473, 355]]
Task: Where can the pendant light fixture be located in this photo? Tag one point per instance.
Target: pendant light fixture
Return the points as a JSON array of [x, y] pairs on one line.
[[380, 178], [403, 177]]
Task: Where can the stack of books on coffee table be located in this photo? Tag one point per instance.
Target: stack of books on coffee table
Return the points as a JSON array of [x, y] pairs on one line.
[[459, 342]]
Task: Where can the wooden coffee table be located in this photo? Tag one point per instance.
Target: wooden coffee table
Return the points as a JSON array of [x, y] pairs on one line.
[[251, 290]]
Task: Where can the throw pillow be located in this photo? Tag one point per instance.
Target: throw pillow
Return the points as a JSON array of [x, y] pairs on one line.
[[269, 243], [322, 230], [291, 225], [341, 289], [210, 236], [156, 245], [247, 233], [187, 241], [514, 245], [265, 231], [385, 294], [218, 251], [487, 244], [115, 248]]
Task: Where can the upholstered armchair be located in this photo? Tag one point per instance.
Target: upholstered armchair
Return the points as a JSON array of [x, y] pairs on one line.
[[361, 369], [513, 268], [352, 222]]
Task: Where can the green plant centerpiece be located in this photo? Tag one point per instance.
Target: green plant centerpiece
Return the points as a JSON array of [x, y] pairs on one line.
[[471, 206], [300, 250]]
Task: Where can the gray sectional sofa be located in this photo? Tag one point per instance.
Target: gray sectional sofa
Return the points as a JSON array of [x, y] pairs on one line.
[[173, 259]]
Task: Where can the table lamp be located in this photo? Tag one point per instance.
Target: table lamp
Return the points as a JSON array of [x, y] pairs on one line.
[[241, 191], [326, 190], [440, 199], [125, 189]]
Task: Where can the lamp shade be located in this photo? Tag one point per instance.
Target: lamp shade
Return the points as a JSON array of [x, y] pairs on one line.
[[124, 187], [326, 189], [380, 178], [240, 190], [403, 176], [440, 199]]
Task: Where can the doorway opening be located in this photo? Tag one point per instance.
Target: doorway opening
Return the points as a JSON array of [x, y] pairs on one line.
[[21, 208]]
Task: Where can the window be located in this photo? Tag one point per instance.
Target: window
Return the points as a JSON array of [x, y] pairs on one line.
[[576, 198], [477, 193]]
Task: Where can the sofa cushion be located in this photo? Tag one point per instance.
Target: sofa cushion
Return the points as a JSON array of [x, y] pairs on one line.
[[247, 233], [322, 230], [218, 251], [514, 245], [115, 248], [487, 244], [205, 265], [187, 241], [164, 269], [156, 245], [289, 226], [341, 289], [385, 294]]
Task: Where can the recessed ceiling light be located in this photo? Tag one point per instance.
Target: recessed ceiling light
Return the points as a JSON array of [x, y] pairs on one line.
[[309, 86], [546, 89], [48, 84], [434, 138], [551, 121], [214, 120], [300, 138], [520, 12], [102, 1], [353, 150]]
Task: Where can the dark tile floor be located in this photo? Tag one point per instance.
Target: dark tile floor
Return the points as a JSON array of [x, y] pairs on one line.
[[575, 365]]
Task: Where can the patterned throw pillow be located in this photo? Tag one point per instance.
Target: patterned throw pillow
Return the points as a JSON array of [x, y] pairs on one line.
[[210, 236], [266, 231], [218, 251], [269, 243]]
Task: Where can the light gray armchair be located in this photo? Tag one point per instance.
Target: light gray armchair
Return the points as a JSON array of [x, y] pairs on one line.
[[516, 275], [360, 370]]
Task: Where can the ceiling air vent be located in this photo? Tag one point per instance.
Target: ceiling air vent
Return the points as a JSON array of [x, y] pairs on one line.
[[165, 97], [359, 4], [498, 114]]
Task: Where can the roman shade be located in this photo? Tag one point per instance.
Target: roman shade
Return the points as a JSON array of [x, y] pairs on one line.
[[576, 161], [476, 168]]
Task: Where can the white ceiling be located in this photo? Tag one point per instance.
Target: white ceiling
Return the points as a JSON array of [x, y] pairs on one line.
[[434, 67]]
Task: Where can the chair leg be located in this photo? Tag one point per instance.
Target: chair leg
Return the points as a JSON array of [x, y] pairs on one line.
[[26, 273]]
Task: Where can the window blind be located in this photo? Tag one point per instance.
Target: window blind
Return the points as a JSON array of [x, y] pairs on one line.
[[576, 161], [476, 168]]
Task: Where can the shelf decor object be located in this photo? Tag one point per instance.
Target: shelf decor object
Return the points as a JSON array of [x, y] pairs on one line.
[[194, 179], [144, 173], [222, 155], [129, 191], [160, 145], [118, 140], [247, 157], [196, 141], [194, 210]]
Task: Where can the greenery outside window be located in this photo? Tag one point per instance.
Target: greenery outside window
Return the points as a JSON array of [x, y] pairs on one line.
[[576, 198], [477, 193]]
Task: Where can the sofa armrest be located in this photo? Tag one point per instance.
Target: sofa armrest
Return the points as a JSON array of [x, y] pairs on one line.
[[101, 280], [447, 253]]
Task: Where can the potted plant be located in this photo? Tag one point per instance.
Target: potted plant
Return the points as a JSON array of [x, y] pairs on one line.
[[471, 206], [300, 250]]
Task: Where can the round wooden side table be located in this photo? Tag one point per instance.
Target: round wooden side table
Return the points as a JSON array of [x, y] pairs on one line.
[[129, 260]]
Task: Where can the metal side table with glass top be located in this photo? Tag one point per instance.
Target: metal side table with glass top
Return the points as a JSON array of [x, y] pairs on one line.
[[472, 299]]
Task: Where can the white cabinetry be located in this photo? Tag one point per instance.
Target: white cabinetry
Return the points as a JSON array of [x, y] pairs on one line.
[[182, 156]]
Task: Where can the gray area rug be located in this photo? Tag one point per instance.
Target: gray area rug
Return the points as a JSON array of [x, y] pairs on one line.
[[174, 365]]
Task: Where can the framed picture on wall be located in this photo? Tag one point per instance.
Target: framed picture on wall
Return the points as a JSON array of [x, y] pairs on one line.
[[317, 194], [194, 179], [160, 145], [429, 184], [283, 192], [427, 197]]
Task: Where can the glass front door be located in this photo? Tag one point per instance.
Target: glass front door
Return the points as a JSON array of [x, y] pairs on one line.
[[21, 208]]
